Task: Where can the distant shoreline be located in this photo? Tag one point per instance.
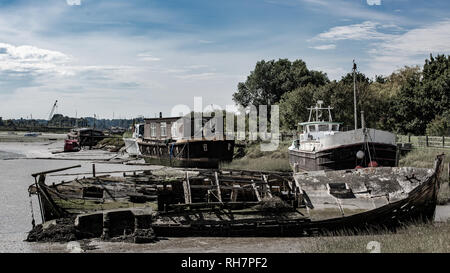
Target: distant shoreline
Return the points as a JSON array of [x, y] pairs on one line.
[[16, 136]]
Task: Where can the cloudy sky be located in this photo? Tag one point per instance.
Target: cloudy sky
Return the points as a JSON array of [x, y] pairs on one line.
[[130, 58]]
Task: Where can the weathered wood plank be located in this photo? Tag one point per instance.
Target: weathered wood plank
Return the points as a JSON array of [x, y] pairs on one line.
[[258, 197], [266, 187], [219, 193], [187, 190]]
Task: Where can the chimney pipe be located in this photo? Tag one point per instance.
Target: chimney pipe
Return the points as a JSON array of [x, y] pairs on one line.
[[363, 123]]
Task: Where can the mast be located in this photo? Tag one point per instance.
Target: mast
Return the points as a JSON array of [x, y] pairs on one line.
[[354, 94]]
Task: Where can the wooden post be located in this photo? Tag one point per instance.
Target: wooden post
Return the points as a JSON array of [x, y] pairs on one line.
[[267, 191], [258, 197], [39, 198], [448, 172], [426, 140], [187, 190], [443, 141], [93, 170], [234, 193], [219, 193], [90, 142]]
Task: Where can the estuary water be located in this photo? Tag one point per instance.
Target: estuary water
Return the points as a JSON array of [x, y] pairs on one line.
[[18, 160]]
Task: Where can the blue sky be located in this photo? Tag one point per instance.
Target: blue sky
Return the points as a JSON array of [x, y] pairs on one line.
[[131, 58]]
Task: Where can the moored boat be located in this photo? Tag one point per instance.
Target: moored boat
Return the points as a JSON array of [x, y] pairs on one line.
[[131, 145], [175, 141], [80, 137], [321, 145]]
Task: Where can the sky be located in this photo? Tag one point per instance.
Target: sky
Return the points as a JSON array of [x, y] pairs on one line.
[[125, 58]]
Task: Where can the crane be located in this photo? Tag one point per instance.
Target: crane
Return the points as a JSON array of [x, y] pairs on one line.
[[53, 110]]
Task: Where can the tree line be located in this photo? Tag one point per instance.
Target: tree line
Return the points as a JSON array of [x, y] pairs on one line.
[[412, 100]]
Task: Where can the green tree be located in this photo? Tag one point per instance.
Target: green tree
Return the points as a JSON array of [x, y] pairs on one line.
[[293, 106], [422, 97], [270, 80], [439, 126]]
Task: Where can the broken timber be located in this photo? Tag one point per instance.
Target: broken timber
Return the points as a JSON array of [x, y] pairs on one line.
[[258, 203]]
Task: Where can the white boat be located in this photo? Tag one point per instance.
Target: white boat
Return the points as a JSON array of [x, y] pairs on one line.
[[322, 146], [131, 145]]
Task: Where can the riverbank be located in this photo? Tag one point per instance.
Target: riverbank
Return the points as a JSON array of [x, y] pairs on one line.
[[423, 238]]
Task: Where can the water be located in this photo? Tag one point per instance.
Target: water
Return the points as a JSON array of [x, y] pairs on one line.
[[16, 166]]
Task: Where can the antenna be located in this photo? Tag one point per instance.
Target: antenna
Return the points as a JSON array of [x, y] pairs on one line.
[[354, 93]]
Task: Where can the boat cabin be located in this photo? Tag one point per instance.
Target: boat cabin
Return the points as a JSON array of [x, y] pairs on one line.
[[177, 128], [319, 124], [138, 130]]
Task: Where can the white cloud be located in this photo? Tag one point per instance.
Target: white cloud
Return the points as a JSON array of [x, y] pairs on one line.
[[352, 9], [365, 31], [205, 41], [324, 47], [73, 2], [373, 2], [27, 58], [148, 57], [197, 76], [390, 51], [411, 47]]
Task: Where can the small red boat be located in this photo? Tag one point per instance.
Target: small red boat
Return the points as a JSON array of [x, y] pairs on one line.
[[71, 145]]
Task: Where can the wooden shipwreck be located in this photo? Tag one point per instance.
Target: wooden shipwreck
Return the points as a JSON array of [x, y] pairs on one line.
[[247, 203]]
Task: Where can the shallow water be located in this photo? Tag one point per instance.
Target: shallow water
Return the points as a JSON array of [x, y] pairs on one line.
[[15, 178]]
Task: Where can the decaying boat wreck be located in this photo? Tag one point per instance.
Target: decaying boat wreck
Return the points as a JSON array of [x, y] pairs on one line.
[[242, 203]]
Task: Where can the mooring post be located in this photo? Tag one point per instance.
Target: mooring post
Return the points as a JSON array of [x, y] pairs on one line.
[[426, 139], [93, 170], [448, 173]]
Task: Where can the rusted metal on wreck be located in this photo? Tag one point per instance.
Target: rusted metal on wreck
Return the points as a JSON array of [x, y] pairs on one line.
[[249, 203]]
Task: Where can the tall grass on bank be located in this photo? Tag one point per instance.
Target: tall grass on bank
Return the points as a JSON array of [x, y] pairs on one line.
[[424, 158], [416, 238], [255, 159]]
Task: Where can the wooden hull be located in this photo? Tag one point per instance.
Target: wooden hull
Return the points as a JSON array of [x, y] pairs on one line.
[[344, 157], [187, 154], [206, 204]]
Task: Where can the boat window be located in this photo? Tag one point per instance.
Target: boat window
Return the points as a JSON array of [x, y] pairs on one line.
[[335, 127], [312, 128], [153, 129], [141, 130], [163, 129], [205, 147], [323, 127]]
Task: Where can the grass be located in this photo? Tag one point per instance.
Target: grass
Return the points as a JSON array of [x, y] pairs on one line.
[[128, 134], [115, 140], [416, 238], [424, 158], [255, 159]]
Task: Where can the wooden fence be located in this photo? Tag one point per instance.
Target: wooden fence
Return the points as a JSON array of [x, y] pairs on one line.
[[425, 141]]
